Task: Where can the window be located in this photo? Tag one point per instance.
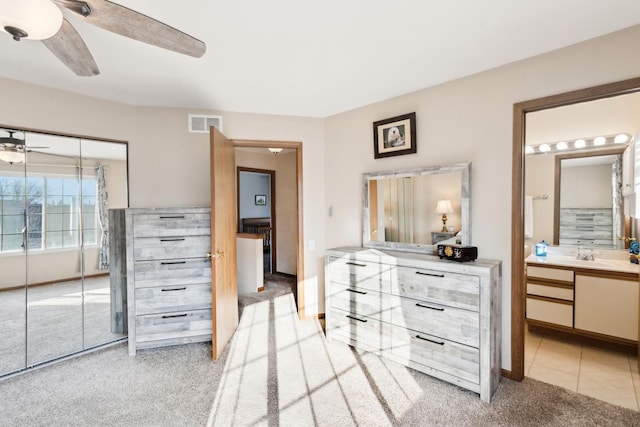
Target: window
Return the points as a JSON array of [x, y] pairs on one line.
[[51, 208]]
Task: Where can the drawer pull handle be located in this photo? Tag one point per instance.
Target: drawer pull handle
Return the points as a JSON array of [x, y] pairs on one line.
[[356, 292], [174, 289], [430, 308], [173, 240], [172, 262], [427, 339], [355, 318], [168, 316], [356, 264], [172, 217], [429, 274]]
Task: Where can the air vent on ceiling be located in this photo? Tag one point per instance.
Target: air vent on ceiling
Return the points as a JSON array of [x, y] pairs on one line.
[[199, 123]]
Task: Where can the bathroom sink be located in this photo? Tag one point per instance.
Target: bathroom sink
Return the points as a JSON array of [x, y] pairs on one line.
[[597, 264]]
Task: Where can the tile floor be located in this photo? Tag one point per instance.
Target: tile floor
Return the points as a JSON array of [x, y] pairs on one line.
[[604, 374]]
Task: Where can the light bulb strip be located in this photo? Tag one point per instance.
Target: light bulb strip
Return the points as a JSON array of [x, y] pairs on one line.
[[597, 142]]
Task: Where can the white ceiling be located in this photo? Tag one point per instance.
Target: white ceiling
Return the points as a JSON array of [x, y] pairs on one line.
[[314, 59]]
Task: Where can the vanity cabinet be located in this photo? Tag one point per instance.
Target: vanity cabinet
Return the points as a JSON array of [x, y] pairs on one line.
[[436, 316], [168, 276], [607, 305], [550, 295]]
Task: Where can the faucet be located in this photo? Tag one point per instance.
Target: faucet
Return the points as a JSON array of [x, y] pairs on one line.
[[585, 254]]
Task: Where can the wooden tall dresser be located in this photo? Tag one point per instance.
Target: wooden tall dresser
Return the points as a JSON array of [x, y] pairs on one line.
[[168, 276]]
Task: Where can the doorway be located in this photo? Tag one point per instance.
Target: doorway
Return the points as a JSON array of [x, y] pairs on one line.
[[518, 291]]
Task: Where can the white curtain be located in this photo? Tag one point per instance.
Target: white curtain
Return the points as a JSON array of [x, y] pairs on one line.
[[103, 218]]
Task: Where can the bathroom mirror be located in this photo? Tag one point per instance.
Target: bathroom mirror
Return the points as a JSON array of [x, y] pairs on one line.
[[399, 207]]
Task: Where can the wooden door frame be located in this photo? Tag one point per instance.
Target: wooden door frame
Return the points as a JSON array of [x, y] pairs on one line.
[[520, 110], [272, 188], [300, 296]]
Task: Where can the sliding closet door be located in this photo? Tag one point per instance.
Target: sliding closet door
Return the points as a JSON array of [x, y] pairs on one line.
[[13, 290], [54, 250]]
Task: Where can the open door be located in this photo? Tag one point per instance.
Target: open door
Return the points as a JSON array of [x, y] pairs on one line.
[[224, 279]]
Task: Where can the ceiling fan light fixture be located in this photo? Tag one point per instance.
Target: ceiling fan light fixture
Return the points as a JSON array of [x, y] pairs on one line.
[[275, 150], [11, 156], [30, 19]]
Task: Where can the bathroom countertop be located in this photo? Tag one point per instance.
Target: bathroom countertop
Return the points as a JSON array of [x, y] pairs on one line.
[[607, 264]]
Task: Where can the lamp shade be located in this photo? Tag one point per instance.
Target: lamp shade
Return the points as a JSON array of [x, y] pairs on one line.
[[443, 207], [11, 156], [38, 19]]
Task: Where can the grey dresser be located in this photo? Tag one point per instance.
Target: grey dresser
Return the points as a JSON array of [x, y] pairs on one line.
[[438, 317], [168, 276]]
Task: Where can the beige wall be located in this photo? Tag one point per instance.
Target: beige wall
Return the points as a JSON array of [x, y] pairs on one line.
[[470, 119]]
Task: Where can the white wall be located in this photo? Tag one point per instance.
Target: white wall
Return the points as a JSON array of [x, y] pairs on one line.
[[470, 119]]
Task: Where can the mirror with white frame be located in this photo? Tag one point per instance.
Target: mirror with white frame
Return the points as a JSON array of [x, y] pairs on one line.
[[402, 209]]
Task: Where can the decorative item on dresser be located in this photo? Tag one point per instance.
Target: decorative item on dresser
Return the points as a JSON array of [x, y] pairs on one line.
[[438, 317], [168, 276]]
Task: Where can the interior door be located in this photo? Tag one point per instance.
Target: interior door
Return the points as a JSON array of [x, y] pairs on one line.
[[224, 280]]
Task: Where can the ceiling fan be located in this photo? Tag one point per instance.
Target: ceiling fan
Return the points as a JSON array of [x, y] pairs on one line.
[[43, 20], [12, 149]]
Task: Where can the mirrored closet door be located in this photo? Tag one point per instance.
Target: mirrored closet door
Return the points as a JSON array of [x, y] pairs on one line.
[[55, 192]]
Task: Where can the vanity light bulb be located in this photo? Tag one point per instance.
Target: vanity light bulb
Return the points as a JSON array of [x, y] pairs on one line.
[[529, 150], [621, 138], [562, 145], [544, 148], [580, 143], [599, 140]]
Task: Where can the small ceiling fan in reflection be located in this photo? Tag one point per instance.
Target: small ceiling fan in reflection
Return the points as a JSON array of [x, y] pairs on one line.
[[43, 20], [12, 149]]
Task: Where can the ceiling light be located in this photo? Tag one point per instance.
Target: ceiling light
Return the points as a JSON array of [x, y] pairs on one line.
[[621, 138], [275, 150], [30, 19], [11, 156], [599, 141], [561, 145], [580, 143], [544, 148]]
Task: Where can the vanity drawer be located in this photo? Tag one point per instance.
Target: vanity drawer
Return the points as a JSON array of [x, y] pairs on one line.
[[172, 298], [171, 224], [180, 327], [154, 248], [359, 331], [534, 271], [360, 302], [454, 324], [359, 274], [551, 312], [559, 292], [172, 272], [450, 289], [451, 358]]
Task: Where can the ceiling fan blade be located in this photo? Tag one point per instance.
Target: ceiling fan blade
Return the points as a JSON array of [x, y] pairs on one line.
[[129, 23], [69, 47]]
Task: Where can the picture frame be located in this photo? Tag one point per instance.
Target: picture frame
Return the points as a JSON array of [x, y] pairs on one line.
[[395, 136], [261, 199]]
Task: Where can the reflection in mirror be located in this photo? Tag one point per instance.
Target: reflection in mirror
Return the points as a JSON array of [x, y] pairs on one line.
[[399, 207], [54, 287]]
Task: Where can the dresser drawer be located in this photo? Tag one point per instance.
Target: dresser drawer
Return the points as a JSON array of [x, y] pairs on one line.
[[153, 248], [359, 301], [359, 274], [451, 358], [178, 326], [172, 272], [172, 298], [454, 324], [171, 224], [360, 331], [450, 289]]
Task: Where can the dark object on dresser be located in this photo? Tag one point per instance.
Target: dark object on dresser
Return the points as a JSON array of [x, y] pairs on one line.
[[458, 252]]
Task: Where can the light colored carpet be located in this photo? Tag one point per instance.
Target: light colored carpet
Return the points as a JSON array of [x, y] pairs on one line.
[[277, 371]]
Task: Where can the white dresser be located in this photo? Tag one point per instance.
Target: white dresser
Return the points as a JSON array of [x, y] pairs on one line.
[[168, 276], [438, 317]]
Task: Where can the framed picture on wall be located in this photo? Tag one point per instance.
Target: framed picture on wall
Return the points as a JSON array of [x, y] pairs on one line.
[[261, 199], [395, 136]]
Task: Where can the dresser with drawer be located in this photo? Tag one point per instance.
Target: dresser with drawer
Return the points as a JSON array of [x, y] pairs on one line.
[[436, 316], [168, 276]]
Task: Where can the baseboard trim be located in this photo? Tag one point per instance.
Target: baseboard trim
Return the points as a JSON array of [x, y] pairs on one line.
[[261, 288], [508, 374]]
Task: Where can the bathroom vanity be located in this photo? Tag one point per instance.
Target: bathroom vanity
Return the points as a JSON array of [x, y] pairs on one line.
[[595, 298]]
